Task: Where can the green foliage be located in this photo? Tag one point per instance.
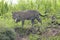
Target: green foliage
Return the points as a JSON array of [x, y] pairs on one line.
[[33, 37], [7, 34], [3, 8], [51, 7], [51, 38]]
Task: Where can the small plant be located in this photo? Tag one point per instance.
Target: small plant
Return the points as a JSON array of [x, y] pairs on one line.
[[7, 34]]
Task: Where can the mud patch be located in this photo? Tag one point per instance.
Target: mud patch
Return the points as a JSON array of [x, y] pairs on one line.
[[18, 37], [51, 31]]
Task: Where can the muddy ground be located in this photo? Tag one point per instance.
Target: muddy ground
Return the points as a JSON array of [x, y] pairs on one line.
[[24, 35]]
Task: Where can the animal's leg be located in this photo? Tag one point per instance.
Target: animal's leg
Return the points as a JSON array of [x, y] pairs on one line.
[[22, 23], [39, 20], [32, 21]]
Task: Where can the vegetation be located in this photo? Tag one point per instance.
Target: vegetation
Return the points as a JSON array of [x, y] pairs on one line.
[[7, 34], [51, 8]]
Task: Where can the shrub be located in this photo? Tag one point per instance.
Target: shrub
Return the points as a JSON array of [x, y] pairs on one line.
[[7, 34]]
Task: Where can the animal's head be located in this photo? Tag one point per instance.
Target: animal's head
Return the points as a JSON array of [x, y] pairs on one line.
[[16, 17]]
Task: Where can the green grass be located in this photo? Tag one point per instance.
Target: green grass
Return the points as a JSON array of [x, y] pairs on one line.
[[50, 6]]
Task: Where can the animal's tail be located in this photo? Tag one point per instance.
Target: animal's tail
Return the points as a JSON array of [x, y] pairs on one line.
[[42, 15]]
